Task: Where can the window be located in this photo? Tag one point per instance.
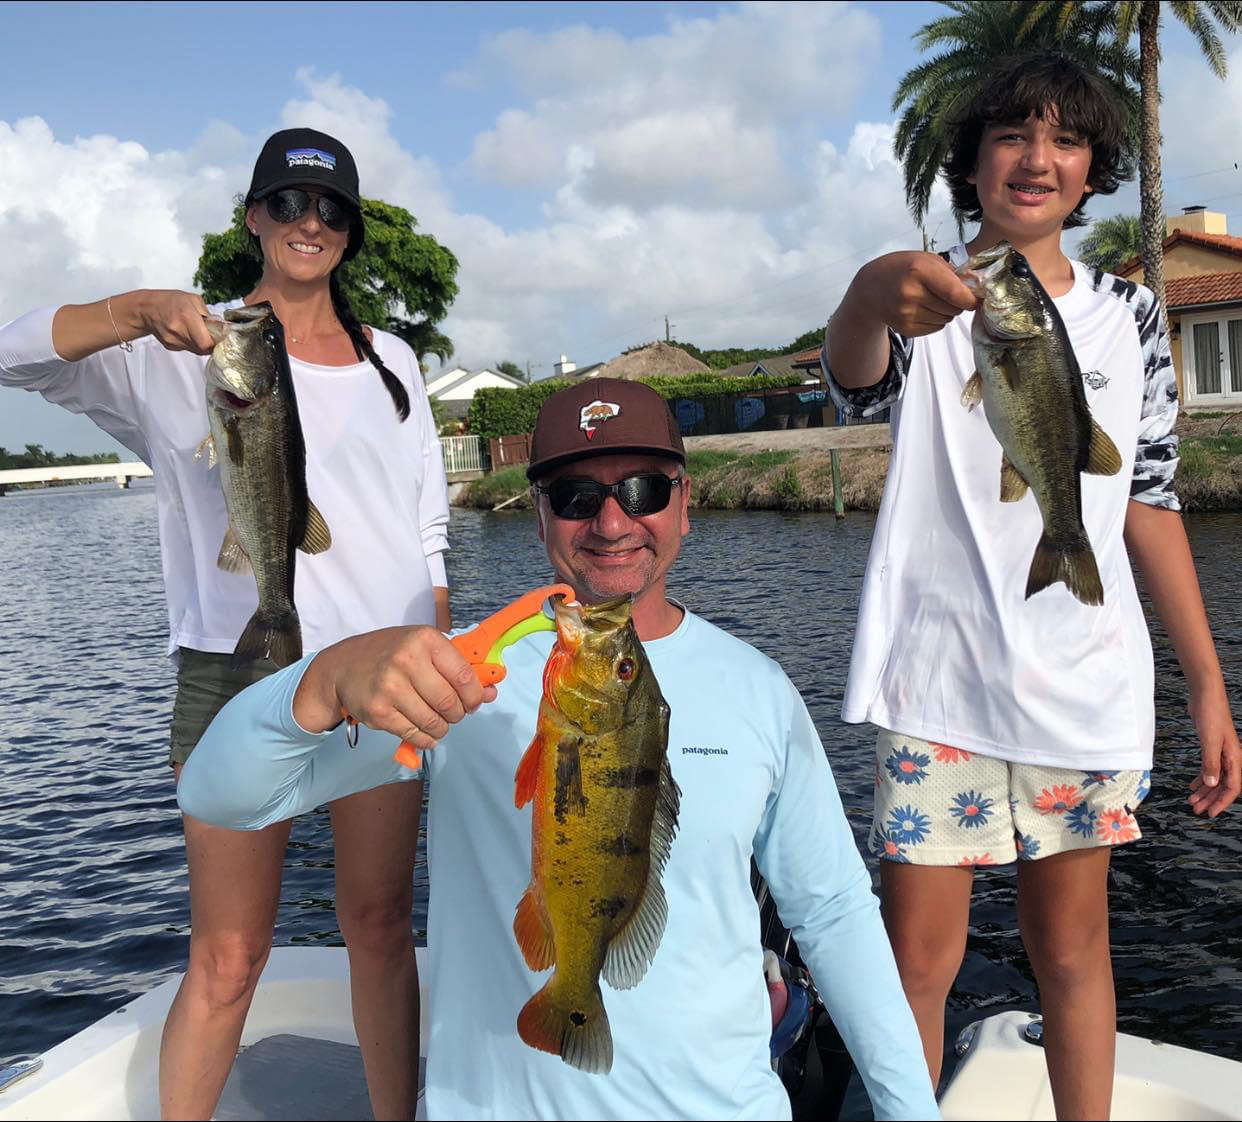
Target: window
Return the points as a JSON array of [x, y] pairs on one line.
[[1212, 357]]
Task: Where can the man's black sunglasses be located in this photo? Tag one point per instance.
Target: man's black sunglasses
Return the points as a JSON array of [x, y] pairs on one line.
[[579, 499], [290, 204]]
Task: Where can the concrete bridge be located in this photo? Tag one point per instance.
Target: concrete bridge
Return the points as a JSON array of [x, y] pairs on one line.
[[122, 473]]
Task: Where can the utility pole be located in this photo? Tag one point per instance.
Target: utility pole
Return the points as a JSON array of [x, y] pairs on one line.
[[528, 372], [668, 334]]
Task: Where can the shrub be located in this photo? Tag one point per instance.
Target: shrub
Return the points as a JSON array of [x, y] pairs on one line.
[[502, 412]]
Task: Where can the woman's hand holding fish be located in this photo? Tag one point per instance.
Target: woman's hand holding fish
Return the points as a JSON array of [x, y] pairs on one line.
[[1219, 781], [176, 319], [409, 681]]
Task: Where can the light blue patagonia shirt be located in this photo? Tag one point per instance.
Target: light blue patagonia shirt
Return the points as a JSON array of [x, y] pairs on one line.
[[691, 1040]]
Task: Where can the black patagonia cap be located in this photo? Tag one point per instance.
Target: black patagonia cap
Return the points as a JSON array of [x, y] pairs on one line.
[[293, 157]]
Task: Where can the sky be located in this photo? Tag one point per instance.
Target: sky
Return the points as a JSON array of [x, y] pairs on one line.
[[594, 167]]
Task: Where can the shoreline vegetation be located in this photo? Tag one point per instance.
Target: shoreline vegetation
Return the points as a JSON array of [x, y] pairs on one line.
[[1209, 476]]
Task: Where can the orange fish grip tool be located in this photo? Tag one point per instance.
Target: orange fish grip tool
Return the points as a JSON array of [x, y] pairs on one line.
[[484, 646]]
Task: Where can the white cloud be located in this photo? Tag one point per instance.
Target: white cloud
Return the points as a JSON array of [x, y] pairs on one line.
[[696, 112], [683, 174]]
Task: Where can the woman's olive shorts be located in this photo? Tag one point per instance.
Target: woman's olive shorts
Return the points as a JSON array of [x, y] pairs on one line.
[[206, 682]]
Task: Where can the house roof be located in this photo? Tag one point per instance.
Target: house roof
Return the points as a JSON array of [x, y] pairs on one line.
[[466, 375], [654, 358], [773, 364], [1224, 243], [1184, 293]]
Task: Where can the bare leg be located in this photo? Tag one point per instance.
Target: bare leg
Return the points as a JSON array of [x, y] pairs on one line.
[[376, 835], [234, 891], [1063, 915], [926, 909]]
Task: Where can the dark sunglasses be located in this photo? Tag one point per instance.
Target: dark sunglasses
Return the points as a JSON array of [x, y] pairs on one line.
[[580, 499], [290, 204]]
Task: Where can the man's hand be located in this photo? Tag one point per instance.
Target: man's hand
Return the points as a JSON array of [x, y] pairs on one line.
[[1218, 782], [409, 681], [914, 293]]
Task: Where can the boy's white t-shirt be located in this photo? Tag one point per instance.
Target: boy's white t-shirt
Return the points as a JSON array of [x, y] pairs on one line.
[[947, 647], [379, 482]]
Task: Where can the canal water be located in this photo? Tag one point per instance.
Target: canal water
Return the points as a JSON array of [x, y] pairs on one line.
[[93, 903]]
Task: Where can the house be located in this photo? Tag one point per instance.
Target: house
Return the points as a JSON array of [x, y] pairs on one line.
[[657, 358], [456, 388], [805, 363], [1203, 292]]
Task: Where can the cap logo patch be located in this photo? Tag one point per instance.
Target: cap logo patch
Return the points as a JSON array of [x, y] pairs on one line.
[[595, 414], [310, 158]]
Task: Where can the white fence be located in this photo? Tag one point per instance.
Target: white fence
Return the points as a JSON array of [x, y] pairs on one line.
[[463, 453]]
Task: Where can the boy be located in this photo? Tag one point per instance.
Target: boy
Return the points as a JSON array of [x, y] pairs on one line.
[[1012, 728]]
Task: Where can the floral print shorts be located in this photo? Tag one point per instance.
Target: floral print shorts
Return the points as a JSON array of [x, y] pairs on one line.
[[937, 805]]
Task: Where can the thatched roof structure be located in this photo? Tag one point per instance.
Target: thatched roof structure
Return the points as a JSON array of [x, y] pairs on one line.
[[654, 358]]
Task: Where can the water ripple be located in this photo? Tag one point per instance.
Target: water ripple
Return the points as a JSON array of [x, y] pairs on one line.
[[93, 905]]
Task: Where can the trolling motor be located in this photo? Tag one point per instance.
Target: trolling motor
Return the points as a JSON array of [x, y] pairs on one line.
[[807, 1050]]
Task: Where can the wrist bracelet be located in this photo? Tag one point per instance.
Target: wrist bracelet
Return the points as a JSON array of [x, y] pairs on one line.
[[121, 342]]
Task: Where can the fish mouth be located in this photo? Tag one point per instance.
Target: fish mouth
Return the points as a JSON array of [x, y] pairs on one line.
[[574, 618], [249, 315], [983, 267], [229, 401]]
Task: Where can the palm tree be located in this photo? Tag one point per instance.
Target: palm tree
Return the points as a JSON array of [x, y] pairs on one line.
[[1201, 18], [1111, 241], [975, 36]]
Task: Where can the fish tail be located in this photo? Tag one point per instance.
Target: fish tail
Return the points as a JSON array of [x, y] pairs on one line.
[[276, 636], [1073, 563], [571, 1026]]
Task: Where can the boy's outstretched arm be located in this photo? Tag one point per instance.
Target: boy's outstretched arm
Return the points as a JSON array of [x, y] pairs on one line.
[[913, 293], [1156, 540]]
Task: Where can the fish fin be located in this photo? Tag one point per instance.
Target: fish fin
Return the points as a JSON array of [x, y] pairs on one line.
[[972, 391], [1102, 456], [233, 556], [632, 948], [1013, 486], [233, 444], [1008, 367], [1075, 565], [528, 772], [533, 930], [317, 537], [578, 1032], [207, 447], [275, 636]]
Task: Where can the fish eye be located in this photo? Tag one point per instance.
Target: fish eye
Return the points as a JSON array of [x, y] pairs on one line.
[[625, 669]]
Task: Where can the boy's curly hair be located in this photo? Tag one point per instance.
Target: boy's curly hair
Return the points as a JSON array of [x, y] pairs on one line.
[[1042, 83]]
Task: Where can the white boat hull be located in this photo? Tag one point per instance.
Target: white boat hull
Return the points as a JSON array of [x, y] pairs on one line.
[[1003, 1076], [111, 1069]]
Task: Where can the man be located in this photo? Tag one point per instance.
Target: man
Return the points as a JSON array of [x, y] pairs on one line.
[[691, 1039]]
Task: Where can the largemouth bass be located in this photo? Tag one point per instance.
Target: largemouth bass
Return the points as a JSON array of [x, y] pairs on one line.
[[257, 439], [1028, 379], [605, 812]]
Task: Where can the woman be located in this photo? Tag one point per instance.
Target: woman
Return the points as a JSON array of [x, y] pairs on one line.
[[132, 362]]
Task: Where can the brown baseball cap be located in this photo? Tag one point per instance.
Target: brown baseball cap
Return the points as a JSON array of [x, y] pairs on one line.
[[601, 416]]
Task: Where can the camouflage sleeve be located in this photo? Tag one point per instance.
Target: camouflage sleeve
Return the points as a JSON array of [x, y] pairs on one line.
[[1155, 461], [863, 401]]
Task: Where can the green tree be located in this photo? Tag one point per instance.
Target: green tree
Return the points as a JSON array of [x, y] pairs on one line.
[[971, 40], [1111, 241], [506, 366], [402, 281], [1205, 20]]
